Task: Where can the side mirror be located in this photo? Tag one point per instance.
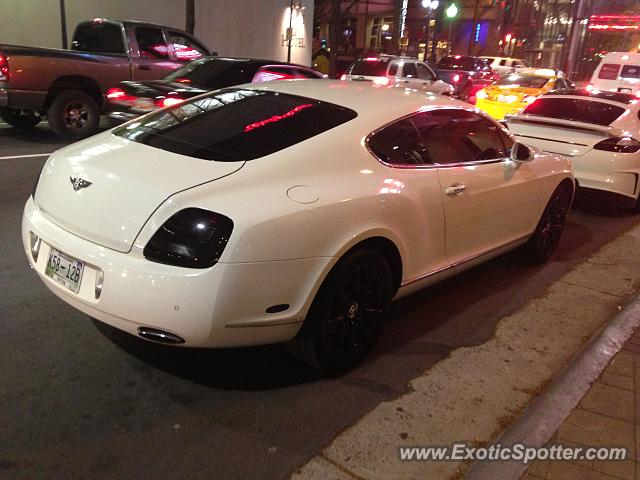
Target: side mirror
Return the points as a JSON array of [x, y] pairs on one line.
[[521, 153]]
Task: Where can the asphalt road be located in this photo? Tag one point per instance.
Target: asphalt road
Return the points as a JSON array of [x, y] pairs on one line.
[[81, 400]]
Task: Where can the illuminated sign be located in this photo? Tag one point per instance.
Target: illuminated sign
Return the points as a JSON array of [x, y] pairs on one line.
[[477, 35], [277, 118], [614, 22]]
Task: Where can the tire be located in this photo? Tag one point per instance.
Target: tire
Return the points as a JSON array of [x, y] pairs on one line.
[[74, 114], [546, 237], [19, 118], [466, 95], [345, 318]]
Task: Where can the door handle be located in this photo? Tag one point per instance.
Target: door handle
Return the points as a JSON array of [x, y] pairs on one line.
[[455, 189], [144, 67]]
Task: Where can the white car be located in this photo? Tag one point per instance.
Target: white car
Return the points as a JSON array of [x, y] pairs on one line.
[[506, 65], [598, 131], [289, 211], [405, 72]]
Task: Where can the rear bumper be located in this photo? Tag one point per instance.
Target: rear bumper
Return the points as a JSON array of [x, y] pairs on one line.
[[222, 306], [612, 174]]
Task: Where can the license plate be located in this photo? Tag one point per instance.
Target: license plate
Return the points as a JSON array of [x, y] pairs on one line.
[[65, 270], [143, 104], [624, 90]]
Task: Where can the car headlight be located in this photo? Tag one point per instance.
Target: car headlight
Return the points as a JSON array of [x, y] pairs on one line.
[[193, 238]]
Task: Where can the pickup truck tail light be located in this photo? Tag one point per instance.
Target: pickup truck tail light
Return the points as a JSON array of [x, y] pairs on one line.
[[5, 75], [619, 145]]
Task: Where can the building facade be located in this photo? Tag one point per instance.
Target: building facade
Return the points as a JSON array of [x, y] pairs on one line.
[[252, 28]]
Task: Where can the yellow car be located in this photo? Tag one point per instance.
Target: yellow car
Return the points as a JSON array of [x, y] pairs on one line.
[[513, 92]]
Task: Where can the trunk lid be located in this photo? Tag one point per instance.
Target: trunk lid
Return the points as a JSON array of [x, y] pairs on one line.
[[555, 135], [128, 181]]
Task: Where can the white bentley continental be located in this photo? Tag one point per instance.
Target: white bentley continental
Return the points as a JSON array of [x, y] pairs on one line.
[[290, 211]]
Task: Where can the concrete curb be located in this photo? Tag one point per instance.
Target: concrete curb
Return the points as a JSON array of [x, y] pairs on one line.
[[543, 417]]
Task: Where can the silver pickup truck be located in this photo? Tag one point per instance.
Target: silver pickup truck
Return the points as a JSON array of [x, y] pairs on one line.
[[70, 86]]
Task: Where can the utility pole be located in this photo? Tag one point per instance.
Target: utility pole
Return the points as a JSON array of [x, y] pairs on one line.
[[191, 16], [290, 32], [574, 41], [63, 24]]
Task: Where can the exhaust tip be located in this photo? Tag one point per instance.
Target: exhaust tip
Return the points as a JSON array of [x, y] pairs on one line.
[[160, 336]]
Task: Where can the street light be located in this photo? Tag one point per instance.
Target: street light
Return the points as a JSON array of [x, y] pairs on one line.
[[451, 12]]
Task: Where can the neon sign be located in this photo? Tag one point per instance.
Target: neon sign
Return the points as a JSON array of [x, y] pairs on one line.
[[276, 118], [614, 22]]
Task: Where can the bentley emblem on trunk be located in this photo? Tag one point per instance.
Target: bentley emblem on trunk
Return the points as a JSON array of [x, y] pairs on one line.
[[79, 183]]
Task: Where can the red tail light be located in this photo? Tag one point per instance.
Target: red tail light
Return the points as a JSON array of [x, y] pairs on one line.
[[619, 145], [5, 76], [589, 88], [456, 78], [168, 102], [118, 95]]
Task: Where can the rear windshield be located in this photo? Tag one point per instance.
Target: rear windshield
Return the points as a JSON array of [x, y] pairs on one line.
[[236, 124], [609, 71], [587, 111], [525, 81], [630, 71], [369, 67], [464, 63], [98, 38], [211, 73]]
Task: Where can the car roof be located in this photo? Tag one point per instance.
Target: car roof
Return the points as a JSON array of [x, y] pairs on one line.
[[254, 61], [623, 98], [391, 102]]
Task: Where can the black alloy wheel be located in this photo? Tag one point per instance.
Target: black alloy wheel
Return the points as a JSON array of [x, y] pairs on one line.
[[74, 114], [345, 319], [546, 237], [19, 118]]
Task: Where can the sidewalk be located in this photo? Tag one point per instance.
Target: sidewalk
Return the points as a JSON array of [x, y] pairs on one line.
[[608, 415]]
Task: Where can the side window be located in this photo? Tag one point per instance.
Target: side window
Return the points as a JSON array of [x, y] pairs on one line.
[[185, 49], [425, 72], [409, 70], [458, 136], [151, 43], [393, 69], [398, 144], [503, 62], [304, 73], [274, 72]]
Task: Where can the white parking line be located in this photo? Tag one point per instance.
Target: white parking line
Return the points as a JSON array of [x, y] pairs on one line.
[[25, 156]]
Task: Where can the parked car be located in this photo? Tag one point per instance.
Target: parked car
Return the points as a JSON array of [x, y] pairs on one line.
[[617, 72], [479, 71], [599, 132], [397, 71], [131, 99], [69, 86], [285, 212], [506, 65], [513, 92]]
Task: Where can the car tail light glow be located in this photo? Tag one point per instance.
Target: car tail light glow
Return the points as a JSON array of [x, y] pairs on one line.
[[183, 80], [619, 145], [5, 75], [169, 101], [456, 78], [370, 59], [482, 94], [343, 77], [589, 88], [192, 238], [118, 95]]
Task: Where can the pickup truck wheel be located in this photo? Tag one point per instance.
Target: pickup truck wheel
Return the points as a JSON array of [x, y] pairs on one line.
[[19, 118], [344, 320], [74, 114]]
